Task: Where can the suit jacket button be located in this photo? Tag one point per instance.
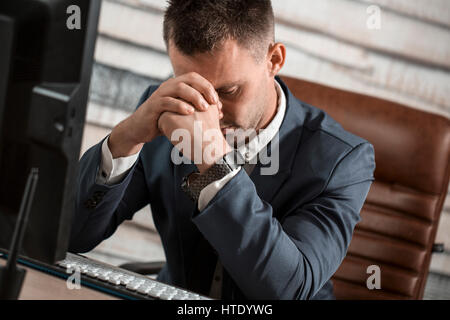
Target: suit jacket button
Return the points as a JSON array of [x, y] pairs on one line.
[[98, 196], [88, 203]]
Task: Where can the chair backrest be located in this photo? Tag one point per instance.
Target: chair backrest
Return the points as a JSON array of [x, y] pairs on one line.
[[400, 216]]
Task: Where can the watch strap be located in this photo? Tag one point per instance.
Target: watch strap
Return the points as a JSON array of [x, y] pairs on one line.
[[193, 185]]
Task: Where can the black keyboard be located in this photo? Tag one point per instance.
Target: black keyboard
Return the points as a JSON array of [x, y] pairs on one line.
[[111, 280]]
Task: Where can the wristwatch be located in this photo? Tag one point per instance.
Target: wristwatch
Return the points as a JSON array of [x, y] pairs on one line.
[[194, 183]]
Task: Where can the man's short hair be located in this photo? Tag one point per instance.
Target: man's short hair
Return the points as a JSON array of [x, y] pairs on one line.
[[200, 26]]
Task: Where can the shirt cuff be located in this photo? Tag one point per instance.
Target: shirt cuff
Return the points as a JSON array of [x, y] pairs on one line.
[[210, 191], [113, 171]]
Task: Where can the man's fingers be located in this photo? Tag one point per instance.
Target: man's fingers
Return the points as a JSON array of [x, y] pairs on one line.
[[175, 105], [193, 88], [202, 85], [159, 123], [190, 94], [185, 92]]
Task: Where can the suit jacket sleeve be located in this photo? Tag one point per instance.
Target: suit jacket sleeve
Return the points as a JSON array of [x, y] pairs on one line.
[[101, 208], [291, 259]]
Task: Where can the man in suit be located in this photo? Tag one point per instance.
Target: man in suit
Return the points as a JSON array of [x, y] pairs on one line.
[[247, 229]]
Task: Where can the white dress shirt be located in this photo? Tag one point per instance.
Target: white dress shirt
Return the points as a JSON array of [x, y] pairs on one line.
[[113, 171]]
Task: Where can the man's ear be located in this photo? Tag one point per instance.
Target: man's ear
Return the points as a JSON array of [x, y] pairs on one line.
[[276, 58]]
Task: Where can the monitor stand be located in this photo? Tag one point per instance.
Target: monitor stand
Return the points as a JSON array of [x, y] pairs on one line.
[[11, 276]]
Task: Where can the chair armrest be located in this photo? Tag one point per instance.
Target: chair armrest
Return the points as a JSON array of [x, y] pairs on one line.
[[144, 268]]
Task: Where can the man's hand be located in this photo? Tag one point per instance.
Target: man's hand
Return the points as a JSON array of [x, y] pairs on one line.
[[182, 95], [207, 143]]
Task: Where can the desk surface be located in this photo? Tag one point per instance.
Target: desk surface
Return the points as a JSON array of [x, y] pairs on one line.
[[39, 285]]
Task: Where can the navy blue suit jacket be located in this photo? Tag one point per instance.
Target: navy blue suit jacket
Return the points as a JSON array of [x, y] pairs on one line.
[[278, 236]]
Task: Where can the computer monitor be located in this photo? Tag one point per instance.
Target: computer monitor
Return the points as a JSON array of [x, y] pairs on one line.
[[46, 60]]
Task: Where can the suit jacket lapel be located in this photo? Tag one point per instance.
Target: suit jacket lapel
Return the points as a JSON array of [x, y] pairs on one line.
[[286, 146]]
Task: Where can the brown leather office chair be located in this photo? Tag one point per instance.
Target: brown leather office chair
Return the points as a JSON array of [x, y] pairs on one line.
[[401, 213], [400, 216]]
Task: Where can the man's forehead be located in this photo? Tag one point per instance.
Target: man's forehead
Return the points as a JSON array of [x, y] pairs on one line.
[[224, 69], [220, 79]]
